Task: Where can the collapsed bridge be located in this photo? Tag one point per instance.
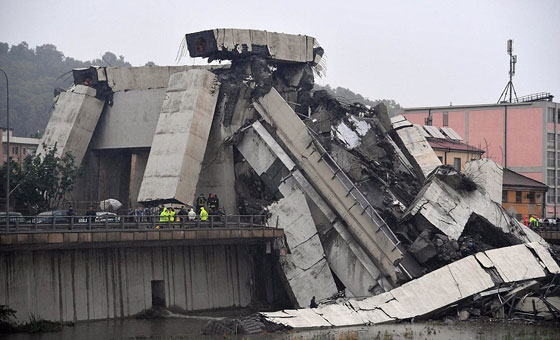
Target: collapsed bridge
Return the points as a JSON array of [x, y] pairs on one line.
[[364, 203]]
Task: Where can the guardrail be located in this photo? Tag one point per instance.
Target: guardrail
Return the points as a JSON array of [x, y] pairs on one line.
[[29, 224], [354, 192]]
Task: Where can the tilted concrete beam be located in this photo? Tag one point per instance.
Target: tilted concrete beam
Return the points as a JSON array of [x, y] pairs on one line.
[[181, 136], [369, 230], [362, 277], [72, 122]]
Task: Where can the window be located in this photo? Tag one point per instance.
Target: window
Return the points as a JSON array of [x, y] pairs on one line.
[[531, 197], [550, 115], [518, 197], [550, 140], [550, 159], [457, 163], [15, 150], [558, 159], [440, 159], [446, 119], [550, 197], [558, 178], [558, 116], [504, 196], [550, 178], [23, 151]]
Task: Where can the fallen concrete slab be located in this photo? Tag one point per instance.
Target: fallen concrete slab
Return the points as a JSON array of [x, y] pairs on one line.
[[348, 202], [182, 133], [488, 176], [361, 277], [306, 268], [449, 199], [72, 122], [414, 145], [418, 298]]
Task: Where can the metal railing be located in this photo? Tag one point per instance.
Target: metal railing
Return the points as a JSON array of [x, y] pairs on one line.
[[354, 192], [31, 224], [541, 96]]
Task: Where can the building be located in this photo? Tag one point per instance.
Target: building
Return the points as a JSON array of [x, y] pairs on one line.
[[455, 153], [523, 196], [523, 136], [449, 146], [20, 147]]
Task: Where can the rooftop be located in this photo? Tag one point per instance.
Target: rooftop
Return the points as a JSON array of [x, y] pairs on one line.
[[514, 179], [445, 143]]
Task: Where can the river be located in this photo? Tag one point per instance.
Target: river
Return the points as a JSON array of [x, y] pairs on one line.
[[190, 328]]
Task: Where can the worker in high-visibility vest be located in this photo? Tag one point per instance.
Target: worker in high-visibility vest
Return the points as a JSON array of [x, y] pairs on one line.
[[171, 214], [203, 214], [163, 216], [533, 222]]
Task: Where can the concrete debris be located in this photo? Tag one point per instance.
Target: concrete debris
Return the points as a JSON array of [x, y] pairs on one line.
[[456, 283], [488, 176], [415, 146], [362, 220], [367, 208], [449, 200]]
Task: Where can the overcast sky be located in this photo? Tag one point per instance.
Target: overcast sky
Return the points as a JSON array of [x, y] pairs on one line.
[[419, 53]]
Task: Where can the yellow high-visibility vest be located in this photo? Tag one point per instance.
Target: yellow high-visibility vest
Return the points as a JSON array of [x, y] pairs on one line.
[[164, 215], [203, 214]]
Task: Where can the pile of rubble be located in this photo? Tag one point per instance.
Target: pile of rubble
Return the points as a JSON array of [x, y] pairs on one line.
[[368, 210]]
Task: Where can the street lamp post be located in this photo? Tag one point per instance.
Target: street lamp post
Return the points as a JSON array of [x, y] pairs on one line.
[[7, 151]]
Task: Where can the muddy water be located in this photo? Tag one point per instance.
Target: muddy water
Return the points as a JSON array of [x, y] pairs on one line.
[[190, 328]]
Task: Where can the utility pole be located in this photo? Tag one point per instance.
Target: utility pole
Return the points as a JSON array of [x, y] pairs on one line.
[[7, 151]]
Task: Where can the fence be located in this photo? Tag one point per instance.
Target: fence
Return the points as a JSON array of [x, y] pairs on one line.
[[112, 222]]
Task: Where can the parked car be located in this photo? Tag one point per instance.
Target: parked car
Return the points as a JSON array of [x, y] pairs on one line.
[[101, 217], [14, 217], [60, 216]]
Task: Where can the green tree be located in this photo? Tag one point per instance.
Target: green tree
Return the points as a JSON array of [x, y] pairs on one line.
[[43, 181]]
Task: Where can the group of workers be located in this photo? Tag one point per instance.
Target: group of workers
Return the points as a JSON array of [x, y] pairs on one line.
[[535, 222], [167, 214], [212, 203]]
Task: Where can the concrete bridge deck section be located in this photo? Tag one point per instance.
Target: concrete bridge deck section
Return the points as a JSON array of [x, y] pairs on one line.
[[345, 256], [363, 222], [43, 239]]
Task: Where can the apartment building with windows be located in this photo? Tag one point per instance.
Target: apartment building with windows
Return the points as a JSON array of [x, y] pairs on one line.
[[20, 147]]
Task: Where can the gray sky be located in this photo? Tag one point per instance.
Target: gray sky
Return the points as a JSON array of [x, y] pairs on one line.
[[417, 52]]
